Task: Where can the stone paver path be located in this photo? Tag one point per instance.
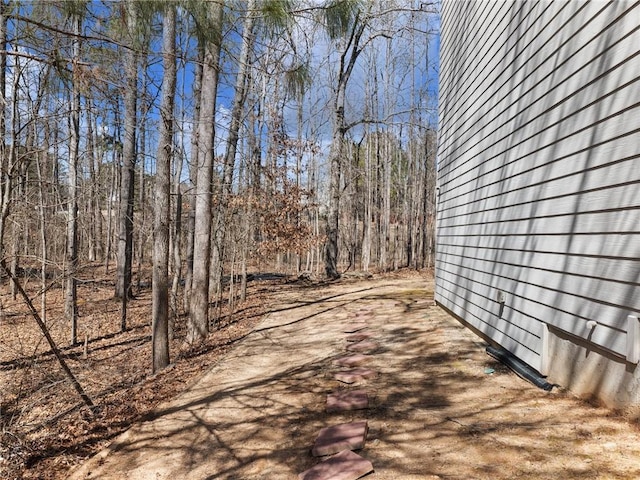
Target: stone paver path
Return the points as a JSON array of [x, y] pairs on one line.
[[345, 465], [433, 412]]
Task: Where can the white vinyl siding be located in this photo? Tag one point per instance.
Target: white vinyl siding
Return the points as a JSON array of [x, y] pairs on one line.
[[539, 169]]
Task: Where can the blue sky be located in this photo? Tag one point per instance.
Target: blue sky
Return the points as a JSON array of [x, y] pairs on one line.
[[426, 75]]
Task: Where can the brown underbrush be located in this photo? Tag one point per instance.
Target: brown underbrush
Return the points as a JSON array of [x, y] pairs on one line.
[[45, 427]]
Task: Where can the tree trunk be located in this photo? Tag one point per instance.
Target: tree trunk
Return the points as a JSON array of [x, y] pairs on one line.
[[93, 212], [71, 294], [198, 324], [5, 177], [127, 181], [348, 59], [333, 214], [43, 239], [240, 95], [54, 348], [113, 187], [160, 287], [193, 174]]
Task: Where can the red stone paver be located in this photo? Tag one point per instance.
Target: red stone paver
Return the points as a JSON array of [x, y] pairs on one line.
[[347, 400], [352, 360], [358, 337], [345, 465], [364, 346], [355, 375], [345, 436]]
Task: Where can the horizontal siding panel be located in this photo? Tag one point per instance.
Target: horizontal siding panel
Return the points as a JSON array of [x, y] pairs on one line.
[[573, 225], [471, 18], [602, 245], [539, 169], [521, 303], [544, 90], [456, 18], [625, 271], [594, 166], [452, 60], [488, 96], [557, 204], [582, 297], [488, 314], [565, 129], [558, 133], [480, 59], [486, 322]]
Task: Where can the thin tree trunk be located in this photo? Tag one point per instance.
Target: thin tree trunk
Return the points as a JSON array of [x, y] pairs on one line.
[[198, 323], [368, 200], [176, 243], [95, 219], [141, 154], [240, 95], [43, 240], [9, 154], [54, 348], [347, 61], [127, 182], [193, 174], [113, 185], [71, 294], [5, 164], [160, 289]]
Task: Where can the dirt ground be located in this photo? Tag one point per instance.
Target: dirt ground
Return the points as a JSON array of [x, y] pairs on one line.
[[440, 407]]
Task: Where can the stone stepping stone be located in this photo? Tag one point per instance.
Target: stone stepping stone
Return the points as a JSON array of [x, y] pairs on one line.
[[354, 327], [345, 436], [355, 375], [363, 346], [358, 337], [345, 465], [352, 360], [347, 400]]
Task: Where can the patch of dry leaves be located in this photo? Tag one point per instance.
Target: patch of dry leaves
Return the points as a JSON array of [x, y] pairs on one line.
[[45, 428]]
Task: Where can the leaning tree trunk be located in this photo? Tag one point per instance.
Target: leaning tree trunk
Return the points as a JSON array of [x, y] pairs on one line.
[[45, 332]]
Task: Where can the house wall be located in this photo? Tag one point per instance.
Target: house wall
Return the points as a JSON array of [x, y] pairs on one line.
[[538, 223]]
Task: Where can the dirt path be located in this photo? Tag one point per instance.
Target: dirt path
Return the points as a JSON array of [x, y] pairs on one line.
[[434, 410]]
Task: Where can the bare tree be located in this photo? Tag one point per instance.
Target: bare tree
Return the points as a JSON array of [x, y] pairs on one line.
[[127, 181], [237, 111], [344, 20], [160, 293], [193, 164], [71, 299], [5, 153], [198, 324]]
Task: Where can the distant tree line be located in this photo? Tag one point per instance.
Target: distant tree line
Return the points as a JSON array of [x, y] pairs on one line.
[[210, 139]]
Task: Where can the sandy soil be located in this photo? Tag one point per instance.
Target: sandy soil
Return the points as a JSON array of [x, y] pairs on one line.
[[435, 411]]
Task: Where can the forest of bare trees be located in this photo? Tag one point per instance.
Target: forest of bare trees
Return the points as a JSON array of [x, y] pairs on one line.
[[206, 141]]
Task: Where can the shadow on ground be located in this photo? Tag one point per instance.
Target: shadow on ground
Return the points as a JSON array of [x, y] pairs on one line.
[[439, 406]]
